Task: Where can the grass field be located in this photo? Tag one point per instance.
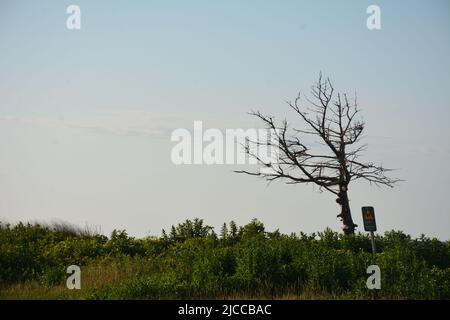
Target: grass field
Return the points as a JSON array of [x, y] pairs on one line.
[[192, 262]]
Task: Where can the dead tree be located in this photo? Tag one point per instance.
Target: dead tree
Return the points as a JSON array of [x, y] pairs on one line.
[[334, 120]]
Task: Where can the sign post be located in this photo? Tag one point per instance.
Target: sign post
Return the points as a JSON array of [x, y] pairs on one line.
[[370, 225]]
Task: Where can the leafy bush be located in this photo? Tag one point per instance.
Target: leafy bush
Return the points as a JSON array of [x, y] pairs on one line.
[[192, 262]]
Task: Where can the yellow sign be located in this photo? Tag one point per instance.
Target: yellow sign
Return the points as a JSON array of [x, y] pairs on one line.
[[368, 214]]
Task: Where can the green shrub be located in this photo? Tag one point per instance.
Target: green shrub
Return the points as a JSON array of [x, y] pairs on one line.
[[192, 262]]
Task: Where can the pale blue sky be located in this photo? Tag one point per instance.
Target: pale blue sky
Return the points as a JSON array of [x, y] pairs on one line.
[[86, 116]]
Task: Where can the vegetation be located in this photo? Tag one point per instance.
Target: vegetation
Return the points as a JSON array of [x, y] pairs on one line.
[[192, 261], [334, 120]]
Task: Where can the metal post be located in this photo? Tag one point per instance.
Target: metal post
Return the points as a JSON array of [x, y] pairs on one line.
[[372, 238]]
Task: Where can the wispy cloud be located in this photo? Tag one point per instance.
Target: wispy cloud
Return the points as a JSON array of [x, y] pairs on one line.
[[127, 123]]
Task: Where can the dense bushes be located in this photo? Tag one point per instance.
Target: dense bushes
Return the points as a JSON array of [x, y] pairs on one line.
[[193, 262]]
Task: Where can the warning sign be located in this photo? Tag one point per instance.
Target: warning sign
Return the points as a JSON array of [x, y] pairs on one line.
[[368, 214]]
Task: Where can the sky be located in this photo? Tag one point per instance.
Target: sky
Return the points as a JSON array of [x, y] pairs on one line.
[[86, 115]]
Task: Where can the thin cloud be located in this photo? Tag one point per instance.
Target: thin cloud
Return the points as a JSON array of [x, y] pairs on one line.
[[128, 123], [115, 123]]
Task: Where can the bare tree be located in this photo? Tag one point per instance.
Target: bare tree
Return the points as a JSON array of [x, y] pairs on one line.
[[335, 120]]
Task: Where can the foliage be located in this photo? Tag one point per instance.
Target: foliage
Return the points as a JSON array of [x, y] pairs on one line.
[[192, 262]]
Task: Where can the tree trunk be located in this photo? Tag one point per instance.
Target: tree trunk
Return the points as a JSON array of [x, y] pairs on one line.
[[346, 214]]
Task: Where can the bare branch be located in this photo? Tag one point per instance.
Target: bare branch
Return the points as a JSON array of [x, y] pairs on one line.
[[335, 120]]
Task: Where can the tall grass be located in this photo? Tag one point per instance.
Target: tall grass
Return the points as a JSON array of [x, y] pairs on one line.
[[192, 262]]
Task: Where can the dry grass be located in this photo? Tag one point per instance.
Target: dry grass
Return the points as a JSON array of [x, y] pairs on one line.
[[99, 276], [92, 277]]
